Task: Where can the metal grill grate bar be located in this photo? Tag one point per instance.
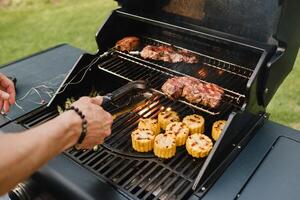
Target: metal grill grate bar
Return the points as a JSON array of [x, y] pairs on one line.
[[158, 184], [156, 177], [144, 179], [170, 72], [129, 170], [95, 161], [104, 167], [180, 185], [132, 70], [141, 171], [167, 187], [115, 167]]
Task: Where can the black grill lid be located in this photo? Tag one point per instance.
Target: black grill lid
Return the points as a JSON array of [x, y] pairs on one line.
[[254, 19]]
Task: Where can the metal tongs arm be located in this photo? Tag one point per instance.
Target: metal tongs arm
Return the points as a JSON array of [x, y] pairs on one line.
[[133, 87]]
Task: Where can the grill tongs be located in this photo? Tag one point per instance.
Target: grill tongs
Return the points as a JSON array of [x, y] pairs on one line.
[[125, 95]]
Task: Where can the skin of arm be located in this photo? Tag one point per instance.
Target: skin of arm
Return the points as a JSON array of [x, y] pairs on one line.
[[23, 153]]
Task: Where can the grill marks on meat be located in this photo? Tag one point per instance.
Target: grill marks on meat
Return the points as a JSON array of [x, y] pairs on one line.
[[168, 54], [127, 44], [162, 52], [173, 87], [194, 91]]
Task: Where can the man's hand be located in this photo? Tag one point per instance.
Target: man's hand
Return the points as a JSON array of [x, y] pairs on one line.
[[99, 121], [22, 154], [7, 93]]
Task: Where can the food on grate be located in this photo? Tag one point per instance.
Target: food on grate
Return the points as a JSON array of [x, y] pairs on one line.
[[173, 87], [207, 94], [198, 145], [195, 123], [217, 129], [69, 102], [167, 117], [165, 146], [195, 91], [142, 140], [130, 43], [168, 54], [60, 110], [150, 124], [179, 130]]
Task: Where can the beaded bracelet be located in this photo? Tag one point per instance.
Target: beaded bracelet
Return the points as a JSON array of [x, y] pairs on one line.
[[84, 124]]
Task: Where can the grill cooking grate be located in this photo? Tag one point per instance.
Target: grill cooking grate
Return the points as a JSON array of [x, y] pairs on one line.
[[204, 60], [138, 175], [142, 175], [118, 64]]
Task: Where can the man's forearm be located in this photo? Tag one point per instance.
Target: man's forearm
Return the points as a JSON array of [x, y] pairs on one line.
[[22, 154]]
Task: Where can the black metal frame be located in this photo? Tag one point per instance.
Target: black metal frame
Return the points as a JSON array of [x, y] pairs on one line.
[[107, 66]]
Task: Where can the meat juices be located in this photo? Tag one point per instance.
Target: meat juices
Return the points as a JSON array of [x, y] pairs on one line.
[[130, 43], [168, 54], [207, 94]]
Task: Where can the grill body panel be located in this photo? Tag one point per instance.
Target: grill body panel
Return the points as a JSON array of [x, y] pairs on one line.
[[138, 176]]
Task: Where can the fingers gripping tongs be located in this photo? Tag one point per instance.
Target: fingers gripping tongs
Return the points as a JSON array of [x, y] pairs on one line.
[[123, 96]]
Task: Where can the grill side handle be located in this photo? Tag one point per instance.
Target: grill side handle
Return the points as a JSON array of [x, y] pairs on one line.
[[280, 65]]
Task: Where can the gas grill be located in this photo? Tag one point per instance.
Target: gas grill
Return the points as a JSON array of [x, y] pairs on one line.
[[245, 58]]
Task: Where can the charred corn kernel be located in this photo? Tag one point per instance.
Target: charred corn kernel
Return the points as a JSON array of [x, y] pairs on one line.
[[195, 123], [179, 130], [59, 110], [167, 117], [217, 128], [150, 124], [198, 145], [165, 146], [142, 140]]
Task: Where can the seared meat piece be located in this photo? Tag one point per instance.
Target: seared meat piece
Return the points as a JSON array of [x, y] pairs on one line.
[[168, 54], [207, 94], [173, 87], [213, 95], [188, 57], [127, 44], [194, 91], [157, 53]]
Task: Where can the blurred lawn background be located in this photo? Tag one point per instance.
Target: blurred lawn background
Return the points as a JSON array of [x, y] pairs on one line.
[[28, 26]]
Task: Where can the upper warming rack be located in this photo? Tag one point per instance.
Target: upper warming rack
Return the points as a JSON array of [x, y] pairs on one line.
[[231, 77]]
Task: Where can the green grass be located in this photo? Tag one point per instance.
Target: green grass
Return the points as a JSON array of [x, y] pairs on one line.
[[27, 29], [285, 106], [31, 27]]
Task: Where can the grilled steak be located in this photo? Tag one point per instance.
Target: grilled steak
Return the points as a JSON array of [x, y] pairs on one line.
[[194, 91], [188, 57], [127, 44], [168, 54], [173, 87], [207, 94]]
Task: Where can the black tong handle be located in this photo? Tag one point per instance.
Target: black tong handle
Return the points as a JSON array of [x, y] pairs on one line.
[[106, 100], [134, 86]]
